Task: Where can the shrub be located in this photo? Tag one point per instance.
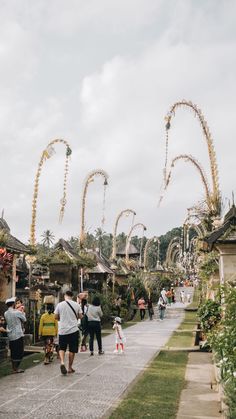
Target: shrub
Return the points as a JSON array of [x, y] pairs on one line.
[[222, 339], [210, 314]]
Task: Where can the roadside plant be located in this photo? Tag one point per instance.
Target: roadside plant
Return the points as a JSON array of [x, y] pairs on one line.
[[223, 342], [209, 313]]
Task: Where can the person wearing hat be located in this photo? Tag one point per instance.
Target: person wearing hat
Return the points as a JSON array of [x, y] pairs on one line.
[[120, 338], [14, 319]]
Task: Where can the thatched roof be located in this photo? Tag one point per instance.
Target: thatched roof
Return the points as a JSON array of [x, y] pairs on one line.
[[68, 249], [102, 266], [12, 243], [133, 251], [226, 233]]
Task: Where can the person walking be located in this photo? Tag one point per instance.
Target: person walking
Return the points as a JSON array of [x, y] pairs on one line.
[[118, 303], [14, 319], [120, 337], [150, 308], [161, 307], [169, 296], [68, 312], [141, 306], [84, 325], [163, 294], [94, 314], [173, 295], [48, 329], [182, 296]]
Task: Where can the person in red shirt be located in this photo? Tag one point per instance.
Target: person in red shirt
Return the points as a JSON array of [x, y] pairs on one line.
[[142, 307]]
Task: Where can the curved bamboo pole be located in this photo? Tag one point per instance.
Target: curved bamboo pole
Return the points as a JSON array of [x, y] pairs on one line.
[[147, 245], [190, 159], [173, 243], [208, 138], [89, 178], [200, 228], [129, 238], [46, 154], [126, 212]]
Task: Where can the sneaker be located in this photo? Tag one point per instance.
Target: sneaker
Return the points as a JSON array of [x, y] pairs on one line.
[[115, 351], [101, 353], [121, 351], [63, 369], [91, 353]]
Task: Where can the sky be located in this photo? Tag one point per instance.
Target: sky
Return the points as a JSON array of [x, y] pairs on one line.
[[102, 75]]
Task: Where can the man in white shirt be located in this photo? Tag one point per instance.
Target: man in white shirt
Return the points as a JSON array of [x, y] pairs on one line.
[[67, 313], [14, 319]]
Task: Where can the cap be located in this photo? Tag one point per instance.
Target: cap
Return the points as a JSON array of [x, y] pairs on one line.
[[118, 319], [10, 300]]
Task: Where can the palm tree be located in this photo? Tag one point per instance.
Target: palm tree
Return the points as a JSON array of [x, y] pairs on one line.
[[48, 238], [98, 237]]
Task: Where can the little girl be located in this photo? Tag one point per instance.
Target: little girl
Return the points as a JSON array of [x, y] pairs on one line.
[[120, 338]]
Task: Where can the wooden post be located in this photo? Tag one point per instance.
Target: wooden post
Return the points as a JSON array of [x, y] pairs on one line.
[[81, 280], [13, 285]]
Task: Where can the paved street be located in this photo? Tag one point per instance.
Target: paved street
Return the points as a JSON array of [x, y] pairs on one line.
[[99, 382]]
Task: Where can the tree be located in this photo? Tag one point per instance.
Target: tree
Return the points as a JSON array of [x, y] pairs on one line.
[[48, 238]]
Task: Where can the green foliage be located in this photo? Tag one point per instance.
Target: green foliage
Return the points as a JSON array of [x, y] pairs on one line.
[[223, 341], [136, 283], [3, 238], [61, 257], [74, 243], [222, 338], [86, 260], [208, 266], [165, 240], [210, 314], [47, 238]]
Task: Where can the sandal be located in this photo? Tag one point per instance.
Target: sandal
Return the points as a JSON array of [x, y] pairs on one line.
[[18, 371], [63, 369]]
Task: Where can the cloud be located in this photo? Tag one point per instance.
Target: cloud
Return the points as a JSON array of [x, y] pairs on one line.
[[103, 78]]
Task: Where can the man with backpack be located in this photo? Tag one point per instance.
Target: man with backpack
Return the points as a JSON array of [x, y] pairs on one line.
[[68, 312]]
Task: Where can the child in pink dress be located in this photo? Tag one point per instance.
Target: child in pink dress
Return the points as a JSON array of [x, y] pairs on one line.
[[120, 338]]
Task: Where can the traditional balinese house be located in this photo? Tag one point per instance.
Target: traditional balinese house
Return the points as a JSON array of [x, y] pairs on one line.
[[65, 272], [100, 276], [10, 249], [223, 239], [133, 252]]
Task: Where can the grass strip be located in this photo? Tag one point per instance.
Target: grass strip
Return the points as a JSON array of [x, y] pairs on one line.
[[28, 361], [186, 338], [157, 392]]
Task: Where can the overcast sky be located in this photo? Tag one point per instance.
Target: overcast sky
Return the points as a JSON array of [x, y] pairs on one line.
[[102, 74]]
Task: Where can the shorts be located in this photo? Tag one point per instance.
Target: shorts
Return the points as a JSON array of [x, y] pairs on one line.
[[72, 340], [17, 349]]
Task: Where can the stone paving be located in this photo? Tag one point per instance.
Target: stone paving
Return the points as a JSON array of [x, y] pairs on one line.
[[97, 384], [199, 400]]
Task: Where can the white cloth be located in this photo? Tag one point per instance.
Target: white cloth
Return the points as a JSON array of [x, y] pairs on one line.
[[163, 294], [119, 334], [68, 322]]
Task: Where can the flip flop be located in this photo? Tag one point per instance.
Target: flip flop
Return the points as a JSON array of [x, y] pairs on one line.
[[63, 369], [71, 371], [18, 371]]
